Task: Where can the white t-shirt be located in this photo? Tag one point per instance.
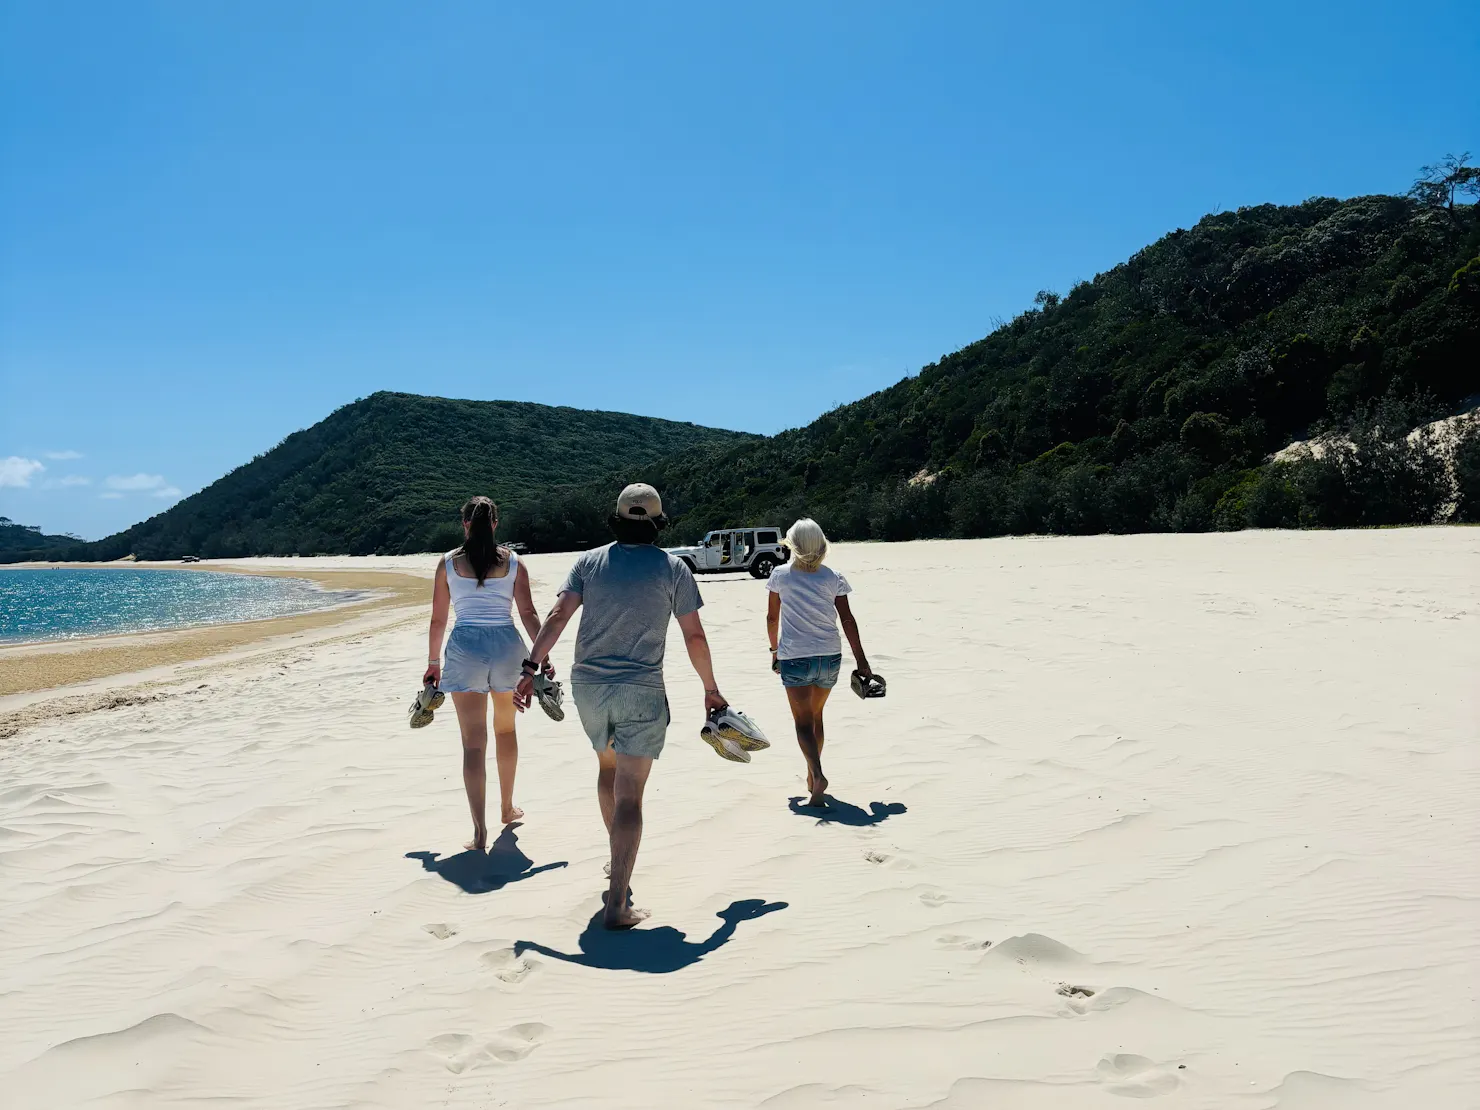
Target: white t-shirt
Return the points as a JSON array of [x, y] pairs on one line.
[[809, 612]]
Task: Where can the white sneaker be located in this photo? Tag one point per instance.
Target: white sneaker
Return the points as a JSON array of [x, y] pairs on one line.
[[723, 746]]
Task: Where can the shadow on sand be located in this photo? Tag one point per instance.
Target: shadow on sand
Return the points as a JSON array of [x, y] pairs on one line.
[[481, 872], [846, 813], [654, 951]]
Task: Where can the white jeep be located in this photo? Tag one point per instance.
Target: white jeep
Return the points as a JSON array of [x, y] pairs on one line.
[[757, 550]]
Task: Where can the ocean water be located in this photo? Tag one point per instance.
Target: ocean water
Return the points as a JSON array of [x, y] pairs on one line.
[[62, 603]]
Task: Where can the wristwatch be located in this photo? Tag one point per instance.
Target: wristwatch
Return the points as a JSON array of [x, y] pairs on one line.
[[531, 666]]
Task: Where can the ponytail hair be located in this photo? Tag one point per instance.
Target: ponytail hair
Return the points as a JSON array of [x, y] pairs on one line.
[[808, 543], [480, 515]]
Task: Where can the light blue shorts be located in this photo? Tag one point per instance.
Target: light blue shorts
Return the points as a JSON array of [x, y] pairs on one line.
[[631, 720], [811, 670], [482, 657]]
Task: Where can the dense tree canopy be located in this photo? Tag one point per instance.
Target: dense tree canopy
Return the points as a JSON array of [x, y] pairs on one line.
[[1141, 399], [18, 540]]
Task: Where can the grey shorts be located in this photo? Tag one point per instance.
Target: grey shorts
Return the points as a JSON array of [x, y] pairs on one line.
[[481, 658], [632, 720]]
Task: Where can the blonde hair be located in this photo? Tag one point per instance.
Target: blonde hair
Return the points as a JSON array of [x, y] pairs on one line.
[[807, 542]]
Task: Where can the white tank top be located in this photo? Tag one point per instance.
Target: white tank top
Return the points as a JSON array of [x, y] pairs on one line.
[[490, 603]]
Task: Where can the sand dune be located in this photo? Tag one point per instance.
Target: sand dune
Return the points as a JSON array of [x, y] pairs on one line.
[[1189, 819]]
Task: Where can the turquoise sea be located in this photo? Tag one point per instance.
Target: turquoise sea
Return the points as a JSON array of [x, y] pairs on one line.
[[66, 602]]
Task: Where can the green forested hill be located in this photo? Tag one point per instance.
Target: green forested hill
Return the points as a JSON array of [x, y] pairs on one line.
[[387, 474], [18, 541], [1150, 397]]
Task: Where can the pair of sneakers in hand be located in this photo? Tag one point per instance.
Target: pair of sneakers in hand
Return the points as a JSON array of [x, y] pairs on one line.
[[549, 693]]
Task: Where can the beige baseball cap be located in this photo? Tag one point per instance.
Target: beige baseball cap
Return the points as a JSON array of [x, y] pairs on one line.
[[639, 501]]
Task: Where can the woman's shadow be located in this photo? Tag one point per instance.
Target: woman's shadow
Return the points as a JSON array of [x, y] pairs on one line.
[[480, 872], [836, 812], [655, 951]]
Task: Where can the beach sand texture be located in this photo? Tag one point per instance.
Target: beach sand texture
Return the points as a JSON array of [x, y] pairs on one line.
[[1182, 818]]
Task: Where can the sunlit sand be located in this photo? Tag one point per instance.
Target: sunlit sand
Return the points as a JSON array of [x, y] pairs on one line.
[[1189, 818]]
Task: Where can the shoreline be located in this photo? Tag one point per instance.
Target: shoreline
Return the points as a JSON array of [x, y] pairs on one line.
[[37, 666], [350, 597]]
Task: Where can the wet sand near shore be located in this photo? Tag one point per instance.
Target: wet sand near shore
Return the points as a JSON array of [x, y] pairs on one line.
[[26, 668]]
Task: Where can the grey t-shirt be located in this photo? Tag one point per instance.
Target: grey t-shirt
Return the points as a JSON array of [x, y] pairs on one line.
[[627, 592]]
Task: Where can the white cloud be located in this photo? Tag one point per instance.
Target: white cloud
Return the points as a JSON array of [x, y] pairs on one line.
[[111, 496], [135, 481], [17, 472], [168, 491], [66, 481], [64, 456]]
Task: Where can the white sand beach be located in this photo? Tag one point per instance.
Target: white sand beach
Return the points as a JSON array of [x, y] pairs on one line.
[[1185, 818]]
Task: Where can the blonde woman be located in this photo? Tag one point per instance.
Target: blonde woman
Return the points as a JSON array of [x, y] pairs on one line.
[[807, 602]]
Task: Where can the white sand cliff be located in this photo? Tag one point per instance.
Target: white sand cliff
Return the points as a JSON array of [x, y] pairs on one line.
[[1188, 818]]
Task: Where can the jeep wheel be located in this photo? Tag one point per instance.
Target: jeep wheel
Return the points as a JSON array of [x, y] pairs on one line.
[[762, 566]]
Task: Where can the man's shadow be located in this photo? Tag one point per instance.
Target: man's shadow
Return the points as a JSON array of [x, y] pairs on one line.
[[846, 813], [655, 951], [480, 872]]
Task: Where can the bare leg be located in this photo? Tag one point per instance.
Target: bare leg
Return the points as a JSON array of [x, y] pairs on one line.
[[801, 698], [506, 752], [472, 720], [819, 699], [606, 779], [626, 834]]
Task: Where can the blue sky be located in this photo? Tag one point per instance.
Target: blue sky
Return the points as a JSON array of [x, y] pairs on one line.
[[218, 222]]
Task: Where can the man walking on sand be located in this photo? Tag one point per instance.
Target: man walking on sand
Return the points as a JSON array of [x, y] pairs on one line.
[[629, 588]]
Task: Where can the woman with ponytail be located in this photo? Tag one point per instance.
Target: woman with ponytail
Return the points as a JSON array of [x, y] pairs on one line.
[[807, 602], [482, 583]]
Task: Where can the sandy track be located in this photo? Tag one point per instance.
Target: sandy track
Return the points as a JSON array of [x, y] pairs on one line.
[[1181, 818]]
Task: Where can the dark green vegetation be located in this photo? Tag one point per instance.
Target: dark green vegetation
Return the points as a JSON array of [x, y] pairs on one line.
[[1148, 399], [18, 541], [387, 474]]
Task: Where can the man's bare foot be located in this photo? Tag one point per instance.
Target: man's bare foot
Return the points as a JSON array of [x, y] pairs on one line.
[[624, 918], [512, 814], [479, 842], [818, 786]]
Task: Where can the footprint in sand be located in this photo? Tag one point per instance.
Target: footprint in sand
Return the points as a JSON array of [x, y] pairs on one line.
[[507, 966], [462, 1052], [440, 930], [934, 898], [1068, 990], [875, 857], [956, 940], [1125, 1073]]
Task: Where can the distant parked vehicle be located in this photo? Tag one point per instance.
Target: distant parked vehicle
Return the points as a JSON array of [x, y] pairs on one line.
[[518, 548], [757, 550], [189, 558]]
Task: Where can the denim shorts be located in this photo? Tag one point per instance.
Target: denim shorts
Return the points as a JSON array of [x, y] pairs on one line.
[[482, 657], [631, 720], [811, 670]]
